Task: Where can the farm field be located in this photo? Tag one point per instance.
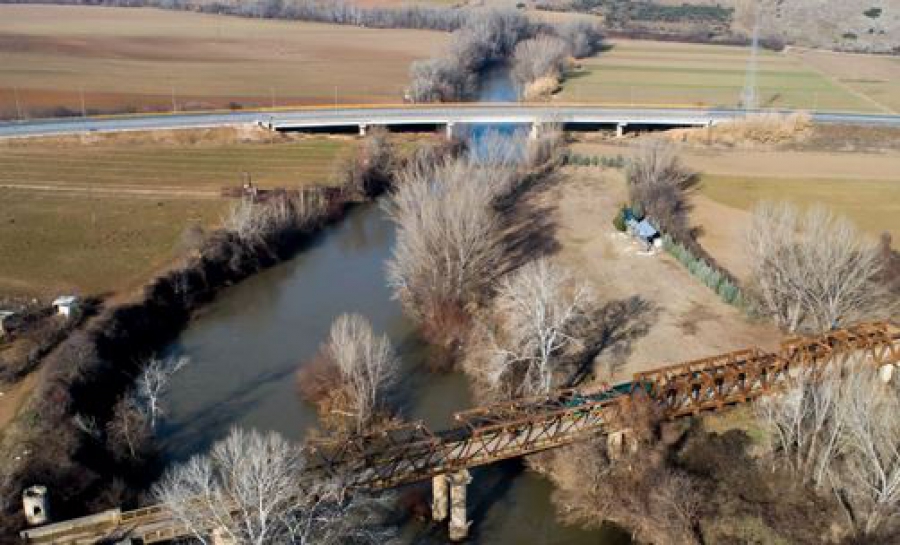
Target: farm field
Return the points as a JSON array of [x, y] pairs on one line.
[[56, 243], [131, 59], [657, 73], [100, 216], [169, 167], [876, 76]]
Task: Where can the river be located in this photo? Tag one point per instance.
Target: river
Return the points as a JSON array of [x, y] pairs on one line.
[[245, 348]]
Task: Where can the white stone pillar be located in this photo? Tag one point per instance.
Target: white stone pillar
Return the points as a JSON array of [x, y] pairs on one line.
[[886, 372], [535, 131], [36, 505], [459, 523], [620, 130], [450, 131], [615, 444], [440, 497], [362, 129]]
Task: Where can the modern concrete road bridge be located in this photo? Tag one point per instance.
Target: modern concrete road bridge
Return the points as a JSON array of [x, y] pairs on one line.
[[342, 118], [484, 435]]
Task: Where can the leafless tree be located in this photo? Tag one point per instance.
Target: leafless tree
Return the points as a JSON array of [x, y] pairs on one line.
[[839, 430], [367, 365], [256, 222], [813, 271], [540, 314], [657, 181], [369, 169], [251, 488], [447, 244], [582, 37], [541, 57], [152, 383]]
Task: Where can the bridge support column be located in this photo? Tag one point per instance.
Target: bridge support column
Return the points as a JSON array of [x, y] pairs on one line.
[[620, 130], [440, 498], [449, 130], [886, 372], [459, 523], [535, 132], [362, 129]]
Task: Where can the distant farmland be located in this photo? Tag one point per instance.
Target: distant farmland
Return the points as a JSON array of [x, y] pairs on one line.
[[658, 73], [130, 59]]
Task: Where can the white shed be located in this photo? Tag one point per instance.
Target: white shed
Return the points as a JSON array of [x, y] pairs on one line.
[[66, 305], [4, 316]]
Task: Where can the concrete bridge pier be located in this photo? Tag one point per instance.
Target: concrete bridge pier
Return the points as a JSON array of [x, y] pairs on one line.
[[620, 130], [535, 132], [459, 523], [440, 498], [886, 372], [450, 131], [363, 129]]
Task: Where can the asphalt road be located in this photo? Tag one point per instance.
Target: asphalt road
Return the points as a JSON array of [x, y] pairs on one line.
[[475, 113]]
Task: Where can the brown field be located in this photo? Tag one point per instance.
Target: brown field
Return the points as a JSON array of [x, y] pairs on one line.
[[666, 302], [875, 76], [130, 59], [865, 187], [99, 214]]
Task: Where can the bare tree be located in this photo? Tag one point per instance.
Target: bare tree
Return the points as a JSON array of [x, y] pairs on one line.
[[541, 57], [152, 383], [539, 318], [251, 488], [657, 181], [448, 243], [368, 171], [367, 365], [839, 429], [813, 271]]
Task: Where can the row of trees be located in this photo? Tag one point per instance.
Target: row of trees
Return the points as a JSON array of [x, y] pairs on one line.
[[535, 51], [339, 12], [838, 431]]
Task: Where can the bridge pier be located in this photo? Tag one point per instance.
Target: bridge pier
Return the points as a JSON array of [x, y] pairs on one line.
[[362, 129], [449, 129], [440, 498], [886, 372], [459, 523], [535, 132], [620, 130]]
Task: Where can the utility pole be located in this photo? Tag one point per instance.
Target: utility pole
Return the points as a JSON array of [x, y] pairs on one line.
[[749, 100], [174, 100], [272, 93], [335, 97], [83, 106], [18, 104]]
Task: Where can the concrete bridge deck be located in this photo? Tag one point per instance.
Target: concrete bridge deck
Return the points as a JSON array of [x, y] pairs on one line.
[[515, 428], [411, 115]]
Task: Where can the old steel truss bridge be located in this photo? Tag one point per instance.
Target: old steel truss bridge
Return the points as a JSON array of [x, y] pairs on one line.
[[413, 453]]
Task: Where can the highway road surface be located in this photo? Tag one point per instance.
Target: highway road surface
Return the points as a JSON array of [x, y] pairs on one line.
[[325, 118]]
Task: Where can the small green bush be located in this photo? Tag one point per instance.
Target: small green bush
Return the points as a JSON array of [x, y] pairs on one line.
[[873, 13], [619, 220], [708, 275]]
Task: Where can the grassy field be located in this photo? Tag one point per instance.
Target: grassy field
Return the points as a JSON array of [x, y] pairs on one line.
[[657, 73], [875, 76], [874, 205], [55, 243], [144, 59], [100, 216], [170, 167]]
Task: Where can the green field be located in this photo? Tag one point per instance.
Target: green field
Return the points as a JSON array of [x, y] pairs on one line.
[[658, 73], [171, 166], [874, 205]]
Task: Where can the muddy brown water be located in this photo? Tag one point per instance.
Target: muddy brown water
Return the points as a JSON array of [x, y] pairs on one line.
[[245, 348]]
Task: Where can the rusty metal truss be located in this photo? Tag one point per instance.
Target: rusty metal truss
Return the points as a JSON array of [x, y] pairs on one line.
[[411, 452]]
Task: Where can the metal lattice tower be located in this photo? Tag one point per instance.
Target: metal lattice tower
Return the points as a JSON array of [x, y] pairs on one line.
[[749, 100]]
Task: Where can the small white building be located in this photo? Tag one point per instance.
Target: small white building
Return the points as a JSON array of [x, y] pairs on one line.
[[5, 316], [66, 305]]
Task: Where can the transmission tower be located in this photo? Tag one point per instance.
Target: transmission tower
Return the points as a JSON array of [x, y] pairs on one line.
[[748, 95]]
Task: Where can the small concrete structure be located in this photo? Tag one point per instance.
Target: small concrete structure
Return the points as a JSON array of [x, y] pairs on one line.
[[620, 130], [450, 131], [440, 498], [362, 129], [36, 505], [459, 522], [5, 318], [886, 372], [535, 132], [66, 305]]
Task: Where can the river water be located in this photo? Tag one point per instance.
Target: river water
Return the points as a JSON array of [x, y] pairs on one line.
[[246, 346]]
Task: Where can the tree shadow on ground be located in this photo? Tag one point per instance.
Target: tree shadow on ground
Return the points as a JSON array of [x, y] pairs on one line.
[[528, 225], [621, 322]]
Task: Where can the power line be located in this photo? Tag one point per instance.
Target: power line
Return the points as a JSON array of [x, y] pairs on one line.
[[749, 97]]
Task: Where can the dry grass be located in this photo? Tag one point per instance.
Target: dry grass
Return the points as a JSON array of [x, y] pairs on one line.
[[52, 243], [770, 129], [659, 73], [186, 163], [133, 58]]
